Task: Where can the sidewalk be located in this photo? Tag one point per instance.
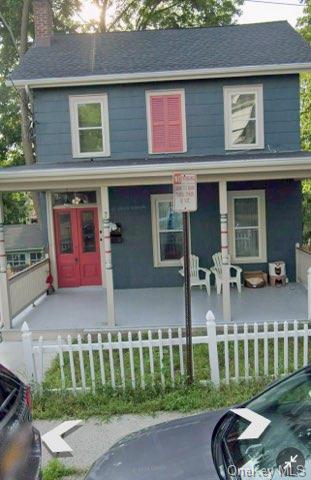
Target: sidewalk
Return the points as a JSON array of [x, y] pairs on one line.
[[94, 438]]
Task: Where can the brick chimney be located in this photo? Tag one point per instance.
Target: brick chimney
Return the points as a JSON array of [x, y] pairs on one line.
[[43, 18]]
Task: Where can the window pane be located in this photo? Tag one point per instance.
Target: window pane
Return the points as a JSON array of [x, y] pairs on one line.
[[246, 212], [91, 141], [243, 114], [89, 115], [88, 232], [65, 233], [169, 220], [63, 198], [171, 246], [247, 242]]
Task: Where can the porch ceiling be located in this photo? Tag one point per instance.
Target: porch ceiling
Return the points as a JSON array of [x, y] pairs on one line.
[[156, 170], [85, 307]]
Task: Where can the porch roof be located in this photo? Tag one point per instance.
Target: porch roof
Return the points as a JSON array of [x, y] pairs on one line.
[[117, 172]]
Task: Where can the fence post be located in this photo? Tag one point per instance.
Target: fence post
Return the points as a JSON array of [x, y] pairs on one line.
[[212, 348], [309, 293], [28, 355]]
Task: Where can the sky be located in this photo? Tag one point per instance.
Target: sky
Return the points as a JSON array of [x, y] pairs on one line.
[[258, 12], [251, 11]]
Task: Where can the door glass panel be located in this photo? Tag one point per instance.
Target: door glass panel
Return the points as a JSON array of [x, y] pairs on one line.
[[88, 232], [171, 247], [65, 235]]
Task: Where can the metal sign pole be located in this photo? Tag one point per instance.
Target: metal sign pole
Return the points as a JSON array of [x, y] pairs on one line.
[[187, 288]]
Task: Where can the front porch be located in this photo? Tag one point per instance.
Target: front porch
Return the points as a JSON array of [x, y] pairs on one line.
[[85, 308]]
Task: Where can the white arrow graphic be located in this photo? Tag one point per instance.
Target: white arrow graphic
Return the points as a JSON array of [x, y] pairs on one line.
[[258, 423], [53, 440]]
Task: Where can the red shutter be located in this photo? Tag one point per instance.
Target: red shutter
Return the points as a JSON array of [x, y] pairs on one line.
[[166, 123]]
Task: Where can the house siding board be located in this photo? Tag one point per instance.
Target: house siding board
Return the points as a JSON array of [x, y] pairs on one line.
[[131, 206], [204, 116]]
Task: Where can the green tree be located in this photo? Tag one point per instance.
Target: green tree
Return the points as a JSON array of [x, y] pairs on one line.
[[304, 27], [143, 14], [16, 142]]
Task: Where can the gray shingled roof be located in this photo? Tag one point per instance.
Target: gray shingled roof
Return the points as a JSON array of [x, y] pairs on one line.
[[78, 55], [23, 237]]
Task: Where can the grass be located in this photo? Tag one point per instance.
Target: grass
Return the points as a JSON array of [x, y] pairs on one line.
[[55, 470], [107, 401]]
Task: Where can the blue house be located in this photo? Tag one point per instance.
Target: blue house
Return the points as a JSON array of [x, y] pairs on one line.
[[115, 114]]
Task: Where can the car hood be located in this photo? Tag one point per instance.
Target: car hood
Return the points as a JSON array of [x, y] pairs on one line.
[[176, 450]]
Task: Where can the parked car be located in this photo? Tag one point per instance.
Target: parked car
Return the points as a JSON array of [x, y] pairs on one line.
[[207, 446], [20, 443]]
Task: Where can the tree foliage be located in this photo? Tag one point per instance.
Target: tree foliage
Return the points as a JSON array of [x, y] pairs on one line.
[[304, 27], [18, 205], [143, 14]]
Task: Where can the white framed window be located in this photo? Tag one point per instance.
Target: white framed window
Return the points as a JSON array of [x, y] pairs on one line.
[[247, 226], [244, 117], [16, 259], [89, 126], [35, 257], [167, 231], [166, 121]]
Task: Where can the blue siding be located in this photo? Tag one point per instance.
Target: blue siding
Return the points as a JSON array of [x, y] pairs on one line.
[[204, 116], [133, 259]]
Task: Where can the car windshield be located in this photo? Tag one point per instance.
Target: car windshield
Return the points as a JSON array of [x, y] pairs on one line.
[[284, 449]]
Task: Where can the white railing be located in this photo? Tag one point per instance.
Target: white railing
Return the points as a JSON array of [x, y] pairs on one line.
[[303, 263], [303, 271], [27, 286], [233, 352]]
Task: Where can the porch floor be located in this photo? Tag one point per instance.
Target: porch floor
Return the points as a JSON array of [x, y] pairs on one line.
[[85, 307]]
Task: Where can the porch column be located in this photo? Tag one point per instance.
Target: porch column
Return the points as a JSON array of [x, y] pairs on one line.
[[104, 195], [5, 319], [223, 207], [51, 238]]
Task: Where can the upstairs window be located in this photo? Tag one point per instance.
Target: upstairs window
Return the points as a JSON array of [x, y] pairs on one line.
[[89, 126], [166, 120], [244, 125]]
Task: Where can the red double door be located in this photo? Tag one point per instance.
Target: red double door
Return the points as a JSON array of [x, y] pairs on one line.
[[77, 247]]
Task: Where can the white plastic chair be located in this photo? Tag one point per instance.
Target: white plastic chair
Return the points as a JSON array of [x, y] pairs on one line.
[[217, 271], [195, 270]]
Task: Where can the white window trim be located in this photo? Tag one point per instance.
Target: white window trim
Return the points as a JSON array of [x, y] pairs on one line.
[[150, 93], [157, 262], [236, 90], [260, 195], [76, 100]]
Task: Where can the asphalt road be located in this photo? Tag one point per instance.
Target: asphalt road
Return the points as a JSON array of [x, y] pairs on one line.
[[94, 437]]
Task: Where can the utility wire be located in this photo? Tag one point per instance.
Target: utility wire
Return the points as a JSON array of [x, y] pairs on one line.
[[278, 3]]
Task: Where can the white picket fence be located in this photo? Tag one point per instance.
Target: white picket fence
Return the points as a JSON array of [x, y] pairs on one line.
[[233, 352]]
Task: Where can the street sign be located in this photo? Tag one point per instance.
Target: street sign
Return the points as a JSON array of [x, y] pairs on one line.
[[184, 192], [185, 201]]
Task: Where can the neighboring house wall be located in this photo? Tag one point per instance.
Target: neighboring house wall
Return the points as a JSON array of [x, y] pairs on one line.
[[131, 207], [204, 117]]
